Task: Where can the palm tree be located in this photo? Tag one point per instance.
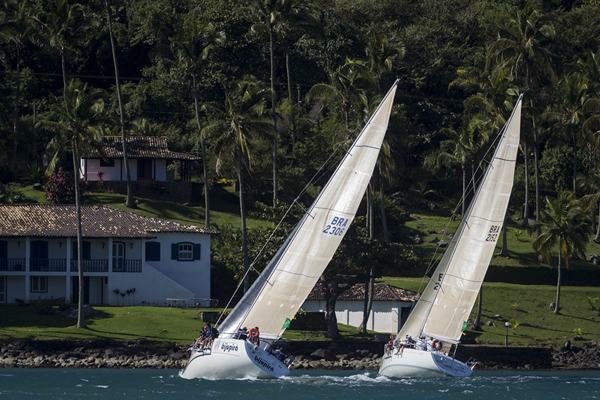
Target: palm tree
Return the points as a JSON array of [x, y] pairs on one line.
[[242, 120], [574, 110], [524, 46], [78, 127], [349, 83], [566, 224], [64, 23], [591, 183], [267, 14], [467, 143], [129, 202], [381, 54], [192, 51], [18, 25]]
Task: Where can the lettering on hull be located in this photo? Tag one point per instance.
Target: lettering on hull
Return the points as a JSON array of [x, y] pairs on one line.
[[265, 364], [227, 347]]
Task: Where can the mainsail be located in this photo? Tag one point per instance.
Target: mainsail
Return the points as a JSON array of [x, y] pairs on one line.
[[278, 293], [448, 298]]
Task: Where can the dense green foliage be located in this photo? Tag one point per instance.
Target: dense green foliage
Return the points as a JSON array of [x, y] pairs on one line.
[[461, 66]]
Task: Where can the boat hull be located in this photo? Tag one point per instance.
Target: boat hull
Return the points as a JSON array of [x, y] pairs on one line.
[[419, 363], [233, 359]]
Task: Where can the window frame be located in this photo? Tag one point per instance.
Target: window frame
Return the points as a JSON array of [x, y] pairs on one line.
[[41, 281], [183, 250]]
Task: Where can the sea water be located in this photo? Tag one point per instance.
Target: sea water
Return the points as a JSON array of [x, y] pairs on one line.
[[21, 384]]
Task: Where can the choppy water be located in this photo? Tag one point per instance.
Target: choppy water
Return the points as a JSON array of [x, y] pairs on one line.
[[319, 384]]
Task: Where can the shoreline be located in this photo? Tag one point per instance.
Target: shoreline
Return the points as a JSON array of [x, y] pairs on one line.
[[142, 353]]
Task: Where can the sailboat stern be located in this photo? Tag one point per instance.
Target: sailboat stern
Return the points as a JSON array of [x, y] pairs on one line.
[[422, 364], [233, 359]]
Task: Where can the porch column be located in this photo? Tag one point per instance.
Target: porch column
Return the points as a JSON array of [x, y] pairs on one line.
[[68, 298], [27, 266]]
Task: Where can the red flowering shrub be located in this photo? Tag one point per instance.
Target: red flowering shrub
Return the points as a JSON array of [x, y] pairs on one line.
[[60, 188]]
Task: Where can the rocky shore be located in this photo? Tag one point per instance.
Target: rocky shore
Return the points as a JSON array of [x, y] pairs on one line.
[[141, 353]]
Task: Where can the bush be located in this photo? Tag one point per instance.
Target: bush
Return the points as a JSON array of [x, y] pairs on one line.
[[33, 174], [60, 188], [12, 194]]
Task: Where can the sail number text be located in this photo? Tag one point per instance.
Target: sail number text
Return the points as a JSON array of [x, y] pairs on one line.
[[493, 233], [337, 226], [437, 284]]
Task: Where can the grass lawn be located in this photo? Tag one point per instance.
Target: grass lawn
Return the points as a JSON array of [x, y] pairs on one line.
[[158, 324], [225, 207], [520, 242], [529, 306]]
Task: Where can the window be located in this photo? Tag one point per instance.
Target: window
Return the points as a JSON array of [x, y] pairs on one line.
[[109, 163], [86, 250], [152, 251], [2, 289], [185, 251], [118, 256], [39, 284]]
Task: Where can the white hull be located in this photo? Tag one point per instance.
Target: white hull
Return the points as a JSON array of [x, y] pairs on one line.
[[420, 363], [233, 359]]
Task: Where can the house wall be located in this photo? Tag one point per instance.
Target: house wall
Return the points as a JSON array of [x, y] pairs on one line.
[[193, 275], [152, 288], [160, 170], [157, 281], [15, 288], [91, 167], [384, 318]]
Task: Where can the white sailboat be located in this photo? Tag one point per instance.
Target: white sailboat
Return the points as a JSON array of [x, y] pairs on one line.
[[442, 311], [278, 293]]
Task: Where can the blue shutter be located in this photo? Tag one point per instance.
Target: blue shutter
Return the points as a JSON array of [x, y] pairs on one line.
[[152, 251], [197, 251], [174, 251]]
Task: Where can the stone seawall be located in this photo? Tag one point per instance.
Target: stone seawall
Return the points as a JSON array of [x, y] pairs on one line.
[[308, 355]]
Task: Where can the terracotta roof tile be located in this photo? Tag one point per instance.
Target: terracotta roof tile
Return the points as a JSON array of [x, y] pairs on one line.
[[138, 147], [49, 220], [383, 292]]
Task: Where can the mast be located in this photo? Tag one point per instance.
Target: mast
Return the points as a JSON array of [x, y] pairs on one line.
[[448, 298], [282, 287]]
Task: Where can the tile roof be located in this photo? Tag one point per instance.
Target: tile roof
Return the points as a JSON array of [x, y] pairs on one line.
[[383, 292], [138, 147], [59, 220]]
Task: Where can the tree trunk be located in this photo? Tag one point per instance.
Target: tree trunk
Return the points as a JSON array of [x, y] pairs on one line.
[[129, 202], [558, 283], [464, 193], [80, 314], [243, 216], [275, 195], [477, 323], [16, 118], [538, 217], [526, 205], [204, 163], [597, 238], [370, 284], [64, 69], [504, 251], [330, 301], [289, 79], [386, 235]]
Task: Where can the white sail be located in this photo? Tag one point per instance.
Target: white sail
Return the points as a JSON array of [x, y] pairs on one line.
[[278, 293], [447, 300]]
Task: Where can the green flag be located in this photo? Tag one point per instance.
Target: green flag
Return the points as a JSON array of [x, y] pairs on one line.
[[465, 325], [286, 324]]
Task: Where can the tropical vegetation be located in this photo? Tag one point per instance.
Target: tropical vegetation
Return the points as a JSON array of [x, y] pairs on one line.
[[233, 81]]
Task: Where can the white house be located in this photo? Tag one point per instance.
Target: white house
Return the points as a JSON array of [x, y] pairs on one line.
[[391, 306], [122, 251], [148, 158]]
